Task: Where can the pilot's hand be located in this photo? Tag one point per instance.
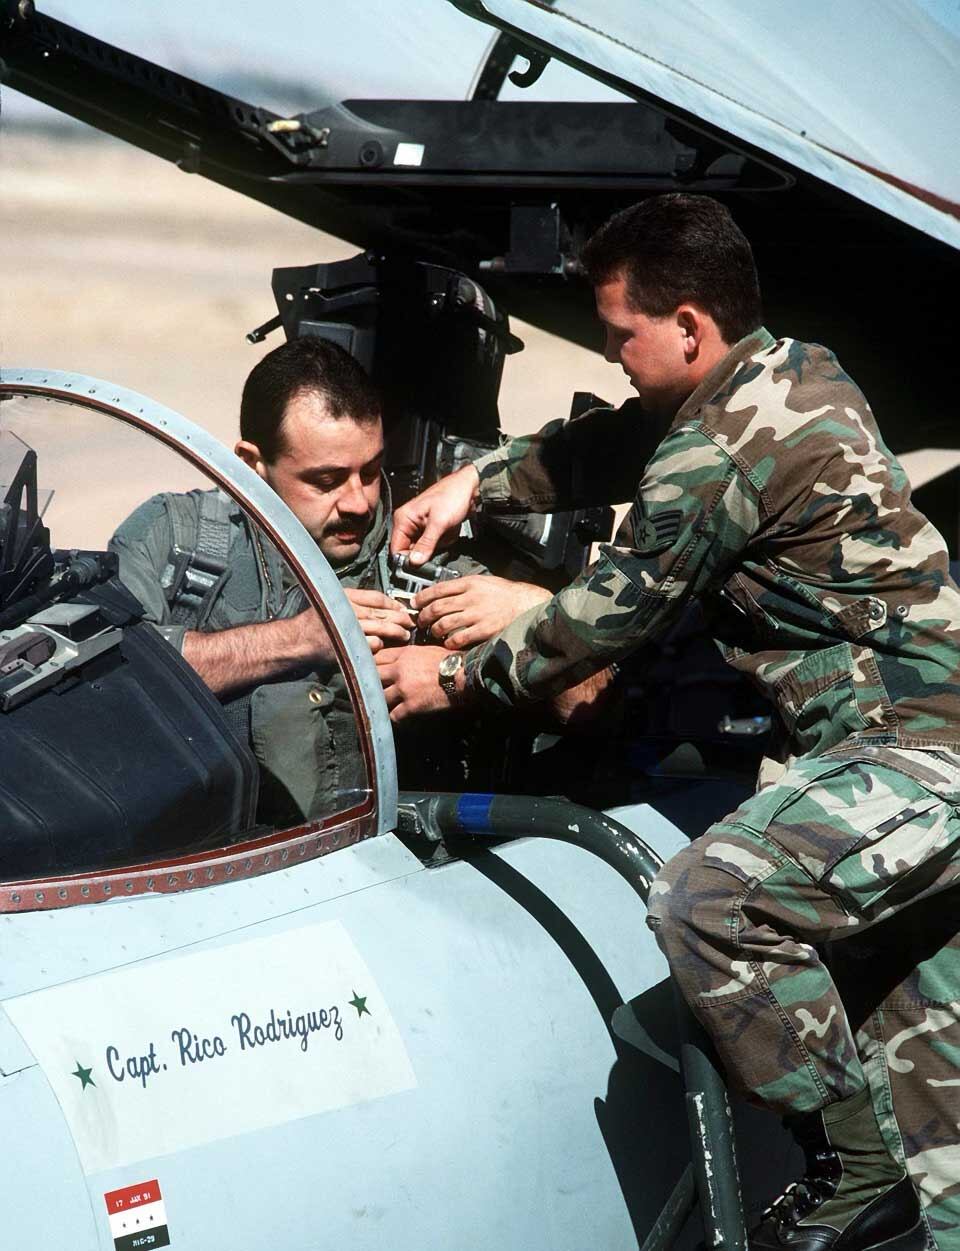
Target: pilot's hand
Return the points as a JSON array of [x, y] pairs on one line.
[[410, 678], [383, 620], [461, 612], [434, 516]]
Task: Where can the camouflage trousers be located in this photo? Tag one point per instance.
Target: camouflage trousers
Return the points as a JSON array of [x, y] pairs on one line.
[[814, 934]]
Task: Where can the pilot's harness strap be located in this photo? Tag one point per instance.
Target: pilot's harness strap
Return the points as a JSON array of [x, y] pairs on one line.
[[198, 564], [383, 568]]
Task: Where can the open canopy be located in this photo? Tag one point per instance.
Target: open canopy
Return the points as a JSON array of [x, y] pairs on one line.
[[864, 95]]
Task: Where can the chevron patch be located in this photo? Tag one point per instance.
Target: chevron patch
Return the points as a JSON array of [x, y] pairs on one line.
[[655, 533]]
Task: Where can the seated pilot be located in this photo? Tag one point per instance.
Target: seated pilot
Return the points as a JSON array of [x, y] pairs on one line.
[[217, 589]]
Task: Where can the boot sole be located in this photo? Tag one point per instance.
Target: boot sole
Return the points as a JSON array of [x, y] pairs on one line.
[[914, 1239]]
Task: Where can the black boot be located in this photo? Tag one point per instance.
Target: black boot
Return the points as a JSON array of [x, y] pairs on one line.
[[854, 1196]]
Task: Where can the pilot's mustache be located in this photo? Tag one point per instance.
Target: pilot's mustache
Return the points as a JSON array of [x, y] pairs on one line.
[[341, 528]]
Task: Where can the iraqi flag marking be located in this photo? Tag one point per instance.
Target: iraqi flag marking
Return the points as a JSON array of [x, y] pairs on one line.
[[138, 1218]]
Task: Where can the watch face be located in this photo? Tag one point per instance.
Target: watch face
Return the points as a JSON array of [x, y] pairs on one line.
[[449, 665]]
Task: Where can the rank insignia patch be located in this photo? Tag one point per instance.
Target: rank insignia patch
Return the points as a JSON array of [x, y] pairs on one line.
[[655, 533]]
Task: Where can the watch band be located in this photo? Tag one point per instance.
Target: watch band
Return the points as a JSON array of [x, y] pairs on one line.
[[447, 672]]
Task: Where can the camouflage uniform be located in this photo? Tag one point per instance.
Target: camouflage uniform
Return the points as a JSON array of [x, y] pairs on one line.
[[771, 497], [900, 983]]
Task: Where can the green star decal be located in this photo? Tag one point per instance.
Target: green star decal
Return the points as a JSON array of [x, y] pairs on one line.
[[360, 1003], [83, 1075]]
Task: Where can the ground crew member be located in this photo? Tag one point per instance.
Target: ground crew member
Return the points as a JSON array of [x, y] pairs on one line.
[[765, 491]]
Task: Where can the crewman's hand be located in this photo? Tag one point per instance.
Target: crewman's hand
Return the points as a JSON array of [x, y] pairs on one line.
[[382, 619], [410, 677], [462, 612], [434, 516], [589, 701]]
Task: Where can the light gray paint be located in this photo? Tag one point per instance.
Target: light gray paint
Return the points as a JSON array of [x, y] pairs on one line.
[[523, 1112]]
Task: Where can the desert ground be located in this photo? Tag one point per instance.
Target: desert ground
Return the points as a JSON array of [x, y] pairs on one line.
[[118, 265]]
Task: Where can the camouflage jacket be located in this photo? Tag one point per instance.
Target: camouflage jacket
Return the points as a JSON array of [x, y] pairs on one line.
[[772, 498]]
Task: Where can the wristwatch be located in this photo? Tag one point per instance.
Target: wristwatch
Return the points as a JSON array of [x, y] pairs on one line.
[[450, 666]]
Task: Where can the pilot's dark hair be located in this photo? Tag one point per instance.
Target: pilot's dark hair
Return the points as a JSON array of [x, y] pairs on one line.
[[680, 249], [306, 364]]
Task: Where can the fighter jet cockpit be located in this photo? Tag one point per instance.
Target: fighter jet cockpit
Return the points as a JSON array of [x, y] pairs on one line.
[[116, 750]]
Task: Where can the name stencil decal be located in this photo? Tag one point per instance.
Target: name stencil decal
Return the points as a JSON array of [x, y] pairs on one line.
[[239, 1038]]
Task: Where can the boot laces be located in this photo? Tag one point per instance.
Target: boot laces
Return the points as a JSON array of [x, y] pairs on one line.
[[799, 1198]]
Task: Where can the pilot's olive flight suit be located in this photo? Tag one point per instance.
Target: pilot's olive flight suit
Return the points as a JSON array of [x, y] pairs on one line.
[[301, 727], [771, 498]]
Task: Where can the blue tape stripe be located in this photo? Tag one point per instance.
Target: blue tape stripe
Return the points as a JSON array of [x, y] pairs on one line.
[[473, 812]]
